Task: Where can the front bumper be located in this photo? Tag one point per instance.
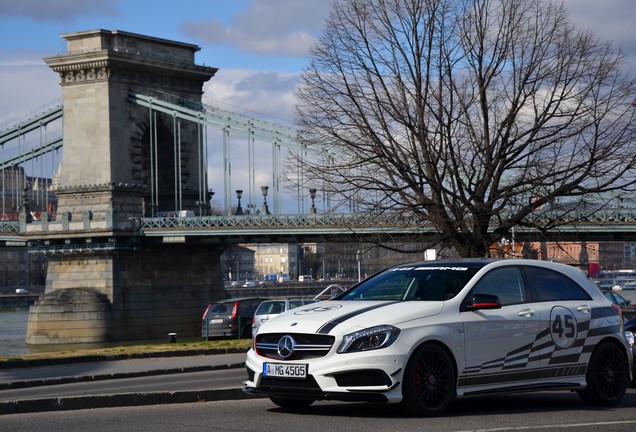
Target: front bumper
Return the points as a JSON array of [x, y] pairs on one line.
[[372, 376]]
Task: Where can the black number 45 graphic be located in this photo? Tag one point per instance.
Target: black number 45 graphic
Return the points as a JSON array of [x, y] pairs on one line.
[[563, 327]]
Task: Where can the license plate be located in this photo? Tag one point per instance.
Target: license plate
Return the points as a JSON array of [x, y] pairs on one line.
[[216, 321], [283, 370]]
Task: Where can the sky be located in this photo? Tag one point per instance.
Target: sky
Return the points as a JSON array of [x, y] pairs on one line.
[[259, 46]]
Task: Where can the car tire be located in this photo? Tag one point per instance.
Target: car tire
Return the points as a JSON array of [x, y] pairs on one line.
[[291, 403], [430, 381], [607, 376]]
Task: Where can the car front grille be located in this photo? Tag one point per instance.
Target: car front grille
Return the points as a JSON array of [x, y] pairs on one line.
[[307, 346]]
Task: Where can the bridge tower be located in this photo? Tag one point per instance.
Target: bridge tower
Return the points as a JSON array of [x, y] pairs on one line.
[[121, 162]]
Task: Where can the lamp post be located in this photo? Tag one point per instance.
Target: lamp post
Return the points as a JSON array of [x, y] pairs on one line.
[[312, 194], [202, 204], [265, 210], [209, 196], [239, 209]]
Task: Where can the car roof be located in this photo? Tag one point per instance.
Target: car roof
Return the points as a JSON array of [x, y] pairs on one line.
[[472, 262], [235, 299], [573, 272], [285, 299]]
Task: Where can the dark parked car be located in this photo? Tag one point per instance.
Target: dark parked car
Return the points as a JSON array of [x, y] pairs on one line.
[[630, 327], [627, 308], [230, 318]]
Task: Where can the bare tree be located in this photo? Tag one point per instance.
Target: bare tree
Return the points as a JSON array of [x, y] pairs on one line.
[[469, 114]]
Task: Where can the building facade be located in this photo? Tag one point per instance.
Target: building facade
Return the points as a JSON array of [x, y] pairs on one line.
[[17, 188]]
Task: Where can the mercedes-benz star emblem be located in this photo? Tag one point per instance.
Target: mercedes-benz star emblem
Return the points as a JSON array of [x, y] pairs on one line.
[[286, 346]]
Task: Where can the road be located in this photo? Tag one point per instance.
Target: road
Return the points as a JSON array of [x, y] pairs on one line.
[[546, 412], [177, 382]]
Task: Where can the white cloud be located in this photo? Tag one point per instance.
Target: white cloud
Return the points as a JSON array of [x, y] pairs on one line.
[[266, 92], [273, 27], [609, 20]]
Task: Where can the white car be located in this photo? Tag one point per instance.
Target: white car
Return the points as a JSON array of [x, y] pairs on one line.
[[270, 309], [422, 334]]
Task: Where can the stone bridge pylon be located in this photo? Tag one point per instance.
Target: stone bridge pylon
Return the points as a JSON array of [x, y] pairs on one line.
[[121, 162]]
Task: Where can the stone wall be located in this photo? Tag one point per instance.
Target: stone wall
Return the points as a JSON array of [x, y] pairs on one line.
[[126, 295]]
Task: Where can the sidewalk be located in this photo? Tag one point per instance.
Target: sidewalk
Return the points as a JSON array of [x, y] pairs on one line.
[[49, 372]]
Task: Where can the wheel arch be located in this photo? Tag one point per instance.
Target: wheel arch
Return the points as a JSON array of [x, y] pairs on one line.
[[448, 351], [624, 349]]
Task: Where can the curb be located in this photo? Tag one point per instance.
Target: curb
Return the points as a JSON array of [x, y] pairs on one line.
[[119, 400], [69, 380], [25, 363]]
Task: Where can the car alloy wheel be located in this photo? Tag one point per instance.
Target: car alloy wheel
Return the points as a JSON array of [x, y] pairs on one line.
[[429, 381], [607, 376]]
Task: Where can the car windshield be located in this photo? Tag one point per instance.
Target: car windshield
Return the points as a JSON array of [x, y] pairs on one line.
[[422, 282]]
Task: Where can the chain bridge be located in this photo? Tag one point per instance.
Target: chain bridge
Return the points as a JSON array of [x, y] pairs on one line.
[[132, 241]]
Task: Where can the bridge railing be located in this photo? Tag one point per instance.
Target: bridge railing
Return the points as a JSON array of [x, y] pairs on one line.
[[283, 221], [9, 226]]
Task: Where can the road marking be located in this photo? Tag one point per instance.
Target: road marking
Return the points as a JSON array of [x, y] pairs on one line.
[[553, 426]]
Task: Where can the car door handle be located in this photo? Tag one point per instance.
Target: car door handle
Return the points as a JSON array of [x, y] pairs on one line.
[[584, 308], [526, 313]]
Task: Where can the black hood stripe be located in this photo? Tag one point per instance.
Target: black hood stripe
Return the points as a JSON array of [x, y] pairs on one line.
[[327, 327]]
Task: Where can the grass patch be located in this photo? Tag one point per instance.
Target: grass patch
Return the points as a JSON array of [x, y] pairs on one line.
[[135, 349]]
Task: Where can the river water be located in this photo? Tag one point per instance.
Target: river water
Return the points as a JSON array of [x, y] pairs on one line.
[[13, 328]]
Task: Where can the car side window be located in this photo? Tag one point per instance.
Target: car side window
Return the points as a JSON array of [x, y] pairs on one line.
[[505, 282], [576, 291], [548, 285]]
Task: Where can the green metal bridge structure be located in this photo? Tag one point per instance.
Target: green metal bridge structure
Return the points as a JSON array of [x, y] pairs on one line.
[[132, 246]]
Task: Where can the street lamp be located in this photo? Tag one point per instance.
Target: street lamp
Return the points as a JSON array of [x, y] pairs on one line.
[[239, 209], [210, 194], [312, 194], [265, 210]]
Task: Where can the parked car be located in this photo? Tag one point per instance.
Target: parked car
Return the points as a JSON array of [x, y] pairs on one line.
[[21, 291], [627, 308], [249, 284], [305, 278], [330, 292], [230, 318], [630, 332], [271, 308], [421, 334]]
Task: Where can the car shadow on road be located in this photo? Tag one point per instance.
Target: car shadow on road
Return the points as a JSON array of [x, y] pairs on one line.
[[524, 403]]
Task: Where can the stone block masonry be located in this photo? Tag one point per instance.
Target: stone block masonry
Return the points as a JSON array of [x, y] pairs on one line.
[[126, 295]]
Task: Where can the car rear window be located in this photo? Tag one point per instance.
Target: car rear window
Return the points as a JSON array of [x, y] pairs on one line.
[[218, 308]]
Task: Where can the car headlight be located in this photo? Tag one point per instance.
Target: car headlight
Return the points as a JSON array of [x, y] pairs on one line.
[[630, 338], [369, 339]]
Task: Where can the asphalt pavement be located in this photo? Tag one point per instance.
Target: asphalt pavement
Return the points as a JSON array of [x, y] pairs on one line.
[[26, 374]]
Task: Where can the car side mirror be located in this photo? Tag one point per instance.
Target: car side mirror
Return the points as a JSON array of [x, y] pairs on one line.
[[484, 301]]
